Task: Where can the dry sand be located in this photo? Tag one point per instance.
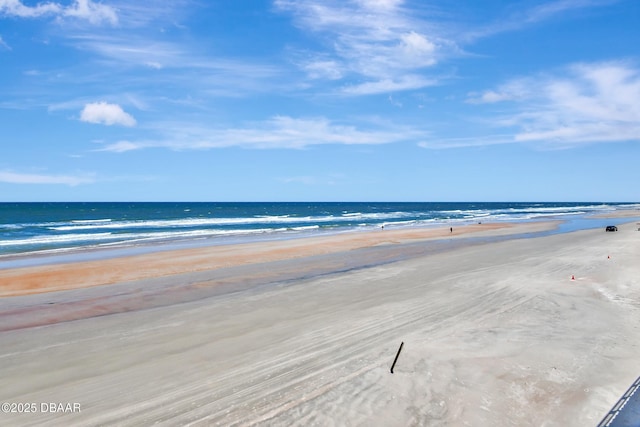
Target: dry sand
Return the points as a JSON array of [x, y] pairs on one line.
[[494, 333]]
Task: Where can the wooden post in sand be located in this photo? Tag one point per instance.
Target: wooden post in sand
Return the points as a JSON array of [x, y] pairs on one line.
[[397, 354]]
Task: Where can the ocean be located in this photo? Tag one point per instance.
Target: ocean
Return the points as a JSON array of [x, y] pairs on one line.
[[43, 228]]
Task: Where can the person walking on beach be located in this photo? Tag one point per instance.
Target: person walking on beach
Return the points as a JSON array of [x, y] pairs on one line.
[[451, 229]]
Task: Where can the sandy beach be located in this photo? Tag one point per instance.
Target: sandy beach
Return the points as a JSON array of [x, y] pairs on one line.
[[529, 331]]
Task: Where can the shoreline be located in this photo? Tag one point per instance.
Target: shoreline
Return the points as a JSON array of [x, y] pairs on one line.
[[84, 274], [137, 246], [43, 273]]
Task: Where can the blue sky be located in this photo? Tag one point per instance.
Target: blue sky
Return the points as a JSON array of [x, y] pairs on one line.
[[323, 100]]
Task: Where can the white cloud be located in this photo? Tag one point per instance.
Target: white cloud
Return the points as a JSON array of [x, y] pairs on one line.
[[4, 44], [159, 14], [389, 85], [517, 89], [471, 141], [92, 12], [323, 69], [372, 46], [276, 133], [122, 146], [183, 65], [546, 10], [88, 10], [26, 178], [414, 44], [380, 4], [154, 65], [106, 114], [394, 102], [525, 17], [16, 8], [129, 49], [596, 102], [377, 40], [490, 96]]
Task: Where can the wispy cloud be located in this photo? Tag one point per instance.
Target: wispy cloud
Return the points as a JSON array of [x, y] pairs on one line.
[[161, 54], [322, 68], [382, 46], [589, 102], [169, 62], [513, 90], [95, 13], [124, 146], [151, 49], [471, 141], [106, 114], [17, 9], [550, 9], [402, 83], [158, 14], [28, 178], [277, 132], [3, 44], [131, 49], [519, 18], [376, 40]]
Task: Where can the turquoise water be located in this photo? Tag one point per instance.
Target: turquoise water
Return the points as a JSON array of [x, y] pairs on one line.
[[62, 227]]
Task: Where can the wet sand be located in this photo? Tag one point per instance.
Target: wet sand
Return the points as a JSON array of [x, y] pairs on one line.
[[304, 332], [47, 278]]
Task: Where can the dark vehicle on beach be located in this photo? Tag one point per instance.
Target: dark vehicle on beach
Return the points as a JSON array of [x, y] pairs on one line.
[[611, 228]]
